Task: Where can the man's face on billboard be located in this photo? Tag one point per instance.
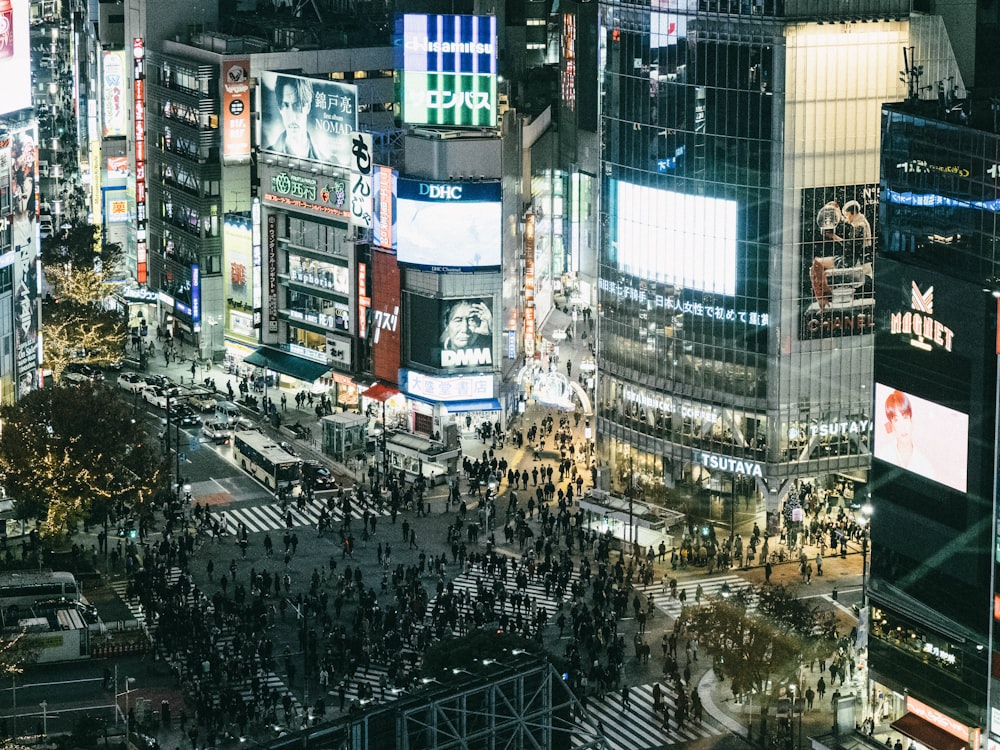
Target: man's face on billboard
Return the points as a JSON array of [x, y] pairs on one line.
[[294, 111], [463, 323]]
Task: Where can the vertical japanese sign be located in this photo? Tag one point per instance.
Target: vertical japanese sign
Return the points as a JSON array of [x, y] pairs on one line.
[[236, 110], [384, 208], [529, 285], [385, 334], [139, 108], [256, 301], [195, 297], [272, 273], [364, 301], [361, 180]]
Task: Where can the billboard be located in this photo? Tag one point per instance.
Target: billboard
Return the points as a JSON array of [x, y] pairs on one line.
[[689, 241], [308, 118], [114, 116], [24, 233], [15, 56], [448, 224], [450, 333], [236, 110], [238, 274], [326, 197], [447, 70], [139, 108], [361, 180], [384, 207], [921, 436], [384, 330], [838, 244]]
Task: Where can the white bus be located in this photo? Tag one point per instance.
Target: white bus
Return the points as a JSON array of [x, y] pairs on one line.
[[265, 460], [28, 588]]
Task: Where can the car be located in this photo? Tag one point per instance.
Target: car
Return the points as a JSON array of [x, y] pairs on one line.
[[90, 372], [45, 229], [202, 400], [131, 382], [320, 477], [155, 396], [288, 448], [75, 378], [184, 415], [217, 432]]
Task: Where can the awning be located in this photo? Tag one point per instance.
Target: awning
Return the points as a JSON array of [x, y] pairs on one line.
[[460, 407], [380, 392], [926, 733], [287, 364]]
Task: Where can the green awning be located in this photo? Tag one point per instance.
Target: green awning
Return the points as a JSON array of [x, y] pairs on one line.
[[299, 368]]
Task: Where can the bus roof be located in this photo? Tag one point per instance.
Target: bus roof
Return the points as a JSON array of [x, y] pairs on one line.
[[22, 577], [266, 446]]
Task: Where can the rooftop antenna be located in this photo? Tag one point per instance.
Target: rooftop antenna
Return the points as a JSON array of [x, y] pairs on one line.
[[910, 74]]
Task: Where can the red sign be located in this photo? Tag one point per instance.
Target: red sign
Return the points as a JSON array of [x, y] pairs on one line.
[[139, 108], [364, 301], [385, 328], [236, 110]]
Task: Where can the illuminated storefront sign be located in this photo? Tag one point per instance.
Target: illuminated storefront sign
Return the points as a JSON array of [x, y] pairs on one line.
[[569, 61], [236, 110], [361, 180], [139, 109], [338, 349], [938, 719], [464, 388], [729, 463], [195, 297], [918, 323], [255, 239], [328, 198], [364, 301], [384, 207], [845, 427], [385, 337], [666, 404], [272, 273], [698, 309], [529, 285]]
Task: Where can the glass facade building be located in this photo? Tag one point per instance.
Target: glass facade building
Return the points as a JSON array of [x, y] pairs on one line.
[[738, 232]]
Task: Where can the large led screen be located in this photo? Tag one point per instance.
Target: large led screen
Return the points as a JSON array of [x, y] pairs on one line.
[[307, 118], [838, 260], [685, 240], [450, 333], [448, 224], [447, 70], [115, 92], [15, 57], [921, 436]]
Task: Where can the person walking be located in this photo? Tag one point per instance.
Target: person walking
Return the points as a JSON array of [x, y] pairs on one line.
[[626, 700]]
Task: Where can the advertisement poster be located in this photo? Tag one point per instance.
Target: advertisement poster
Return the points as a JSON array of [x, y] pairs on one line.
[[838, 257], [15, 56], [237, 238], [25, 240], [921, 436], [384, 207], [385, 329], [236, 110], [114, 113], [448, 70], [307, 118], [451, 333]]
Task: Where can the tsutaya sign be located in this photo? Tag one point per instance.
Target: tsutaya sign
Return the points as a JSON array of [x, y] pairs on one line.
[[730, 464], [919, 324], [846, 427]]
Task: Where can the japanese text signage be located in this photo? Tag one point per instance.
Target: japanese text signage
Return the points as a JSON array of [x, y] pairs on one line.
[[361, 180], [114, 93], [384, 207], [272, 273], [448, 70], [139, 108], [327, 198], [236, 110], [308, 118]]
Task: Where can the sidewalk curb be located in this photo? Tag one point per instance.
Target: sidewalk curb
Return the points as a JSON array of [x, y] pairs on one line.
[[706, 688]]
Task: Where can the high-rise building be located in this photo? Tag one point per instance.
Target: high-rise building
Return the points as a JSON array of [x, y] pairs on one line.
[[739, 226]]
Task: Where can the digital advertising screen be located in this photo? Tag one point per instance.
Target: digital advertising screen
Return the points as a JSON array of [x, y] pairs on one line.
[[308, 118], [838, 245], [447, 70], [114, 94], [688, 241], [384, 207], [15, 56], [448, 224], [921, 436], [450, 333]]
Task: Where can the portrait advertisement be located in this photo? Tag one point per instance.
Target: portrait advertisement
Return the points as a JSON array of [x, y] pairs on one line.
[[451, 333], [308, 118], [838, 244]]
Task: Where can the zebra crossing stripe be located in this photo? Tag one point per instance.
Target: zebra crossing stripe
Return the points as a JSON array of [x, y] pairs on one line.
[[259, 518]]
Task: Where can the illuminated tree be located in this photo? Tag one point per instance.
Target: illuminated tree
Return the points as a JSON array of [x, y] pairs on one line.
[[69, 453], [80, 322]]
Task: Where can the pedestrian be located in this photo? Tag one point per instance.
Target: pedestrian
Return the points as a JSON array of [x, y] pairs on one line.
[[626, 700], [821, 688], [810, 697]]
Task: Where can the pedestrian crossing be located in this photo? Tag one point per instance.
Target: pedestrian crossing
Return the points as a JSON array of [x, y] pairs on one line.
[[638, 726], [711, 586], [261, 518]]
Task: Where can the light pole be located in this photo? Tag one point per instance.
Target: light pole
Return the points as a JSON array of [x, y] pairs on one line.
[[129, 681], [865, 521], [45, 718]]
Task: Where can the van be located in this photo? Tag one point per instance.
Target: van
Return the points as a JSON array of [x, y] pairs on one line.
[[228, 412]]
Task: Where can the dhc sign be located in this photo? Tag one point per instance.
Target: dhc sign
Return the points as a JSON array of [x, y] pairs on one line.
[[440, 192]]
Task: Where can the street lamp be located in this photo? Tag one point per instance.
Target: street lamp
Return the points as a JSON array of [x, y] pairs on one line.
[[129, 681], [45, 718], [865, 521]]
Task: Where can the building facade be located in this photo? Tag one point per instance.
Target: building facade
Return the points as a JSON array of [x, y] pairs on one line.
[[738, 234]]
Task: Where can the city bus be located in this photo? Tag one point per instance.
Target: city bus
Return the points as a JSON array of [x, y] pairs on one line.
[[25, 589], [265, 460]]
